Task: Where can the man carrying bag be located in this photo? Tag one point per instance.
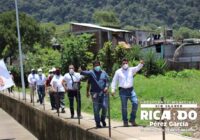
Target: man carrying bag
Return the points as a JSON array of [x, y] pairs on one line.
[[71, 83]]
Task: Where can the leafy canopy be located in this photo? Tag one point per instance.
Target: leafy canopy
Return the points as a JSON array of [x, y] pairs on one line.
[[30, 30], [76, 51]]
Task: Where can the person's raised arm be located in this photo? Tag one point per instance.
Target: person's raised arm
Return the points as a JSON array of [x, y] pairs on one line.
[[138, 67], [84, 72]]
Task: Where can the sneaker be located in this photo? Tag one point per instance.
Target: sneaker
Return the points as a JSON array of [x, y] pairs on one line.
[[103, 123], [125, 124], [63, 110]]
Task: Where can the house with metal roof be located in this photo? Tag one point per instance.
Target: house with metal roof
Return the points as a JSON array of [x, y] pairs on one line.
[[103, 34], [178, 55]]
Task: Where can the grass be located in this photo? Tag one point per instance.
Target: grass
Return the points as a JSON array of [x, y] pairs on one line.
[[151, 89], [188, 134]]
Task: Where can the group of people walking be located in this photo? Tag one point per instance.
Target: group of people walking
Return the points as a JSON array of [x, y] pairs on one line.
[[98, 86], [37, 82]]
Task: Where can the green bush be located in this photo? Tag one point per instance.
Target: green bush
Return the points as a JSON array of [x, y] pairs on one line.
[[171, 74], [184, 74], [187, 73], [153, 64], [134, 53]]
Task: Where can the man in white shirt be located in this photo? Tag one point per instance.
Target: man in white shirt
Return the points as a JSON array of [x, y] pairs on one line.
[[71, 83], [40, 82], [32, 83], [124, 78], [58, 88]]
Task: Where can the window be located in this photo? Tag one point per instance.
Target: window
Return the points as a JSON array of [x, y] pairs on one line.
[[158, 48]]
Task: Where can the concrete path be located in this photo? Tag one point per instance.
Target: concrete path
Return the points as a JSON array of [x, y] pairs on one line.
[[12, 130], [118, 131]]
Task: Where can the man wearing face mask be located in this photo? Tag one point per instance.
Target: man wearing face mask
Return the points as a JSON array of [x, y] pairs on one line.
[[71, 83], [58, 88], [32, 83], [40, 82], [124, 78], [99, 83]]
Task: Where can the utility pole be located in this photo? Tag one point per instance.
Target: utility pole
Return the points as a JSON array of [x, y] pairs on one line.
[[20, 52]]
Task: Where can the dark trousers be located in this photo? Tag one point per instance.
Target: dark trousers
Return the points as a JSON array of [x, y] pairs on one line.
[[60, 100], [41, 93], [71, 95], [52, 99], [10, 90]]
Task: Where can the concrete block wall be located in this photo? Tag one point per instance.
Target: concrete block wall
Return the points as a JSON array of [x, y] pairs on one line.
[[44, 125]]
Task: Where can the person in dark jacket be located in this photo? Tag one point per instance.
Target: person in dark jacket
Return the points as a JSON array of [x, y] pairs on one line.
[[99, 85]]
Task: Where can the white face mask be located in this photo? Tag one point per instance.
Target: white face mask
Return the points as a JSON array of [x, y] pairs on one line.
[[40, 73], [71, 71], [125, 66]]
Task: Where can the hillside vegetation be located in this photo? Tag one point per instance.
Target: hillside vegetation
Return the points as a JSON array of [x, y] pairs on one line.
[[173, 13]]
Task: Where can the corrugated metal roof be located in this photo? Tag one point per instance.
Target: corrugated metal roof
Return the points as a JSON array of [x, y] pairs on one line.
[[99, 27]]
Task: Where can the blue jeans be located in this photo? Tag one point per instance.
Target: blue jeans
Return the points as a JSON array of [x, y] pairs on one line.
[[100, 102], [126, 94], [41, 93]]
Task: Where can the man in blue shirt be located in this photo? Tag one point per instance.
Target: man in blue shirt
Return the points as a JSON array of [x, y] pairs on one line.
[[99, 85]]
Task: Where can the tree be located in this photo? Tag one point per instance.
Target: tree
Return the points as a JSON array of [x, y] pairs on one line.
[[111, 58], [106, 56], [130, 12], [119, 54], [47, 32], [76, 51], [30, 33], [106, 18], [47, 58], [184, 32]]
